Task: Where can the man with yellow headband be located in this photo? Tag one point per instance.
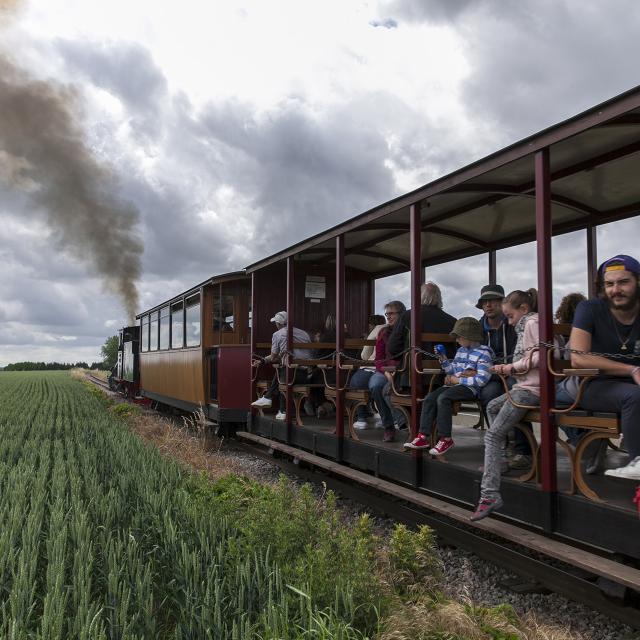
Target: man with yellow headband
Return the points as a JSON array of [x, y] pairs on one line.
[[610, 324]]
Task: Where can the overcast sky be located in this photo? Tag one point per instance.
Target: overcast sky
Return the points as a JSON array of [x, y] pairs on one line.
[[196, 138]]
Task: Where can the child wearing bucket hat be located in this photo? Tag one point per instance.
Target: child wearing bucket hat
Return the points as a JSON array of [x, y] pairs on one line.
[[466, 374]]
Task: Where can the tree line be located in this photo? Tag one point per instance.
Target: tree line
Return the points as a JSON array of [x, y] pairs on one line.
[[51, 366], [109, 352]]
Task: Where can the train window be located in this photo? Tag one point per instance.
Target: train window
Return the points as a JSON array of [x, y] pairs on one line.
[[144, 333], [192, 323], [226, 313], [153, 332], [164, 327], [177, 326]]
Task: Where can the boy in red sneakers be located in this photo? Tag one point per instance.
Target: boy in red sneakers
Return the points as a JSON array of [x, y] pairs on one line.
[[467, 373]]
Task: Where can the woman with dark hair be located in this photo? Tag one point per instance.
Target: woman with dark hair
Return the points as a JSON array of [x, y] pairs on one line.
[[567, 309]]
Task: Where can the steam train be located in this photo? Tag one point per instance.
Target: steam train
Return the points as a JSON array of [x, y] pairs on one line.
[[195, 350]]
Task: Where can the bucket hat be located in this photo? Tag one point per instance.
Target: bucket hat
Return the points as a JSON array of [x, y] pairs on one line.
[[468, 328], [490, 292]]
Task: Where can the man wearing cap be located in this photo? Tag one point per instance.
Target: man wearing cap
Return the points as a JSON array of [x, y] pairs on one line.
[[498, 334], [610, 324], [279, 349], [466, 374]]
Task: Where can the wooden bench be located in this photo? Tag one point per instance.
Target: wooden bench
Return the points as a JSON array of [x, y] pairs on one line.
[[600, 425]]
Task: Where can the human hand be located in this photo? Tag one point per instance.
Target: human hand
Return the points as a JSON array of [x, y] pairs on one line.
[[635, 375], [504, 369], [451, 380]]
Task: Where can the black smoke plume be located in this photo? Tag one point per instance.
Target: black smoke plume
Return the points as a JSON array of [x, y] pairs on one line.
[[44, 153]]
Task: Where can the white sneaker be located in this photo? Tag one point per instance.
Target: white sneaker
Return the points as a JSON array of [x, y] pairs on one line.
[[630, 472], [281, 415], [360, 424], [262, 402]]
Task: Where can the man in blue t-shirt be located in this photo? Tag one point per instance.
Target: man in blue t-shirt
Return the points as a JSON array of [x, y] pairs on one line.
[[610, 325]]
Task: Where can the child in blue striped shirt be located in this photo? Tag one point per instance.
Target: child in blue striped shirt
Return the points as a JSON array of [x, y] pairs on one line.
[[466, 374]]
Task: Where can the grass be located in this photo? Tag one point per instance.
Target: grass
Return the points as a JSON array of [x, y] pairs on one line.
[[105, 536]]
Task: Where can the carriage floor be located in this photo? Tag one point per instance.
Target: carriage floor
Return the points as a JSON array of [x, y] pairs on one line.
[[469, 451]]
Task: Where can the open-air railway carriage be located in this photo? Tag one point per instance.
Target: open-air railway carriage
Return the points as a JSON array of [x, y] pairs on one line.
[[571, 177]]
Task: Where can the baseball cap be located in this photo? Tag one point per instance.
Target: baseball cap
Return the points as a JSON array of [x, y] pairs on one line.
[[280, 317], [620, 263]]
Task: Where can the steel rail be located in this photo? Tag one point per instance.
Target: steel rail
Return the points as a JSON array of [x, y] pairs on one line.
[[572, 582]]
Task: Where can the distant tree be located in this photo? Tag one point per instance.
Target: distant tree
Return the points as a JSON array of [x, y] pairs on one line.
[[110, 351], [97, 366], [39, 366]]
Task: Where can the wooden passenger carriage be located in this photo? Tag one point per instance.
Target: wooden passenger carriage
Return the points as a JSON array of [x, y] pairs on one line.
[[194, 349], [574, 176]]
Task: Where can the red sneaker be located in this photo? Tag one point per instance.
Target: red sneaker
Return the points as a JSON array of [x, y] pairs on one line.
[[420, 442], [485, 507], [442, 446]]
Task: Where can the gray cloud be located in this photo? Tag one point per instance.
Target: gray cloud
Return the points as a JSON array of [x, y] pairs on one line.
[[127, 71], [435, 11], [228, 183], [534, 64]]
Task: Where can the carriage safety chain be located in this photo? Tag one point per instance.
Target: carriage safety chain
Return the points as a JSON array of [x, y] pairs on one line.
[[551, 345], [548, 345]]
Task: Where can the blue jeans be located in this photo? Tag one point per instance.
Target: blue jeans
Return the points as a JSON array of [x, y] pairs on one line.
[[503, 416], [619, 395], [380, 389], [494, 389], [438, 406]]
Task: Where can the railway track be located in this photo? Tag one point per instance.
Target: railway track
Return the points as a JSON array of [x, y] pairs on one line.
[[98, 381], [542, 563]]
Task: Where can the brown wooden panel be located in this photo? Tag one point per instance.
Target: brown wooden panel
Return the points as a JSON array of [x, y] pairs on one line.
[[175, 374], [437, 337], [270, 296]]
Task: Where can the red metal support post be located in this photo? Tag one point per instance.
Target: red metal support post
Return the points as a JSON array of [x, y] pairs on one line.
[[415, 231], [340, 319], [545, 312], [493, 267], [290, 323], [254, 337], [592, 259]]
